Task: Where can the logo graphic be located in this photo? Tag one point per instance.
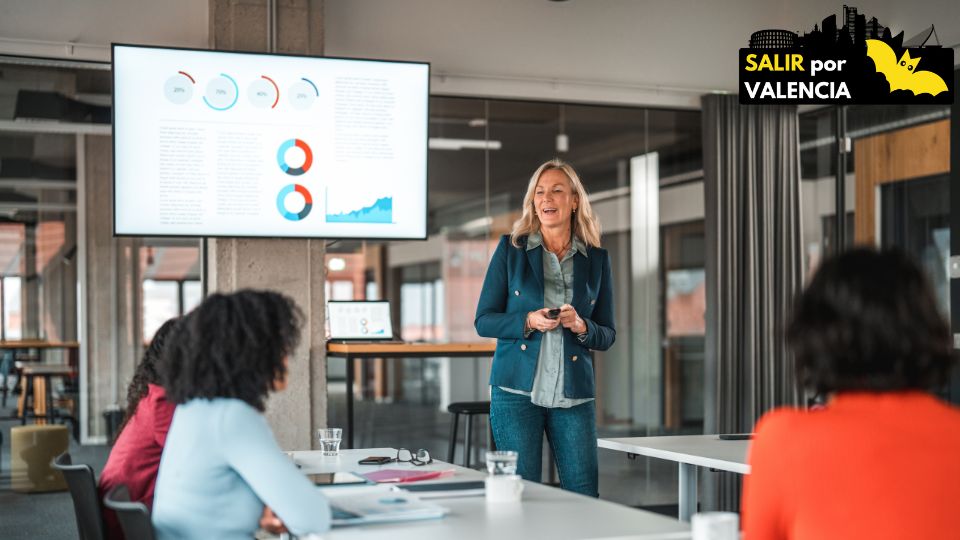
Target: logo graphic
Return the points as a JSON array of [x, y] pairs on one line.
[[857, 61], [902, 75], [282, 157], [282, 202]]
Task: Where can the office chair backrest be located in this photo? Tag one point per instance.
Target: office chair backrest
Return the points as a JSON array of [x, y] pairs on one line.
[[134, 517], [83, 490]]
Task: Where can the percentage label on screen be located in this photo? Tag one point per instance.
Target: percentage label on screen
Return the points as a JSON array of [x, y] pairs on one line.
[[220, 92]]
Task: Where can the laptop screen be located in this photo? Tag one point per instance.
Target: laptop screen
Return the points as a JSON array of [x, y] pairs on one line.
[[359, 320]]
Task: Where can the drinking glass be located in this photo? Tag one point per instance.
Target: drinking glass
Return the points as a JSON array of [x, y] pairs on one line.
[[500, 462], [330, 440]]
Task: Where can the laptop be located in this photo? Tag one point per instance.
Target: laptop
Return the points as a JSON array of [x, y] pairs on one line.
[[359, 320], [378, 504]]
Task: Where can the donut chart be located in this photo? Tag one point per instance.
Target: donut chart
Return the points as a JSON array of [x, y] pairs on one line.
[[281, 202], [282, 157]]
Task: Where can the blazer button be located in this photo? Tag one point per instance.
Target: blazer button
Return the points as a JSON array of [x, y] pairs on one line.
[[516, 293], [574, 358], [523, 346], [593, 302]]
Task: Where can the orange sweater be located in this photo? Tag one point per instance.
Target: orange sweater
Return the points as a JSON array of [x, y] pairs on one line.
[[877, 466]]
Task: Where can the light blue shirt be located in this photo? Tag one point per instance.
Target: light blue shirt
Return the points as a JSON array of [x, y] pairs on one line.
[[220, 465], [557, 290]]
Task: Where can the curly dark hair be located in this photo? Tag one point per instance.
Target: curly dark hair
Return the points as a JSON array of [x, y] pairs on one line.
[[232, 346], [146, 372], [869, 321]]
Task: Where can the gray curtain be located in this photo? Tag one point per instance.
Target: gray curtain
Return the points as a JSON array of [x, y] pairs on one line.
[[751, 171]]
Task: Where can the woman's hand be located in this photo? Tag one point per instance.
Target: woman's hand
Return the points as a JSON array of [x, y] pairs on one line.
[[538, 320], [570, 319], [271, 523]]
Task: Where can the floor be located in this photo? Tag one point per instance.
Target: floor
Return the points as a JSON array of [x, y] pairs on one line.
[[643, 482]]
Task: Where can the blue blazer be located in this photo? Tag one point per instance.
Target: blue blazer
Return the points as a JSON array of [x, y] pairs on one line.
[[514, 287]]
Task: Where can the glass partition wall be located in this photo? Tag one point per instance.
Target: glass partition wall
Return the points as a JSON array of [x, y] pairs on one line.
[[482, 154], [897, 184]]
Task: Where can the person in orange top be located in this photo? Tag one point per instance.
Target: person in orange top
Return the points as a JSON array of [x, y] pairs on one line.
[[882, 458]]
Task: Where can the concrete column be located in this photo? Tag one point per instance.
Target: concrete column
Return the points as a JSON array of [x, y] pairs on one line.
[[30, 285], [110, 288], [291, 267], [58, 274]]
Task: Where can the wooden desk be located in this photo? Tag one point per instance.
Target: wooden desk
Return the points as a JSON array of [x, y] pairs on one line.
[[38, 344], [399, 350]]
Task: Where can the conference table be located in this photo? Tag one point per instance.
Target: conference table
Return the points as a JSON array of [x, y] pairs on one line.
[[545, 512], [690, 452], [355, 350]]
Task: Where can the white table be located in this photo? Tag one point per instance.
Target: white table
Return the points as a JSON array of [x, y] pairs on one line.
[[545, 512], [690, 452]]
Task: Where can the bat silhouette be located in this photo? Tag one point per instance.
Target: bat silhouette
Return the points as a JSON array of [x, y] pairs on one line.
[[901, 75]]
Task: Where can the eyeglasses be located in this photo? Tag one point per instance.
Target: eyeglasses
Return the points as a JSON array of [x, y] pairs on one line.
[[421, 457]]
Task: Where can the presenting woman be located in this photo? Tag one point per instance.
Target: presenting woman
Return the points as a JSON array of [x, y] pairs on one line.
[[548, 299]]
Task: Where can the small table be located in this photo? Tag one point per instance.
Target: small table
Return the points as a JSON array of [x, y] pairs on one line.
[[72, 348], [544, 512], [690, 452], [399, 350]]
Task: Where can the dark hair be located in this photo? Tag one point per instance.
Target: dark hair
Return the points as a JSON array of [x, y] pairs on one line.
[[869, 321], [232, 346], [146, 372]]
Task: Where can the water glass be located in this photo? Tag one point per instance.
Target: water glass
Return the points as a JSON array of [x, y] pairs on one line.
[[502, 462], [330, 440], [715, 526]]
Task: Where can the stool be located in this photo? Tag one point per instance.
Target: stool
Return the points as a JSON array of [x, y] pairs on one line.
[[37, 393], [470, 409], [32, 450]]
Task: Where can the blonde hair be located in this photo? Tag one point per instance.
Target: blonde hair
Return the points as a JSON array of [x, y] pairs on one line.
[[585, 225]]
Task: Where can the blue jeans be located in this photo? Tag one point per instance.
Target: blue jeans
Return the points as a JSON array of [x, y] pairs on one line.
[[519, 425]]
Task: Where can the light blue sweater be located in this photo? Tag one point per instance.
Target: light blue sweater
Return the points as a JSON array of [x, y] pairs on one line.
[[220, 465]]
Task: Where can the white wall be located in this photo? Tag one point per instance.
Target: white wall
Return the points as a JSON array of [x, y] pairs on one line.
[[43, 27]]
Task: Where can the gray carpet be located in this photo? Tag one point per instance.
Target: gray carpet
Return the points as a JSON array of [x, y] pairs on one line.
[[39, 515]]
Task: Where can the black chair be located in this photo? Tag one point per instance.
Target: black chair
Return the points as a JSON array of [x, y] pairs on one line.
[[134, 517], [469, 409], [83, 490]]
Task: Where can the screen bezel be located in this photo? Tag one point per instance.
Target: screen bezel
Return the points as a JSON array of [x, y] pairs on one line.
[[113, 142], [363, 338]]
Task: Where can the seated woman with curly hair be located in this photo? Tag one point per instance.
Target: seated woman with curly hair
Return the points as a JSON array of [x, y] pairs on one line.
[[135, 456], [880, 460], [221, 464]]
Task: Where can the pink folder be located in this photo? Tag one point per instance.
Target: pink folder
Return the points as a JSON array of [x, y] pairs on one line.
[[405, 475]]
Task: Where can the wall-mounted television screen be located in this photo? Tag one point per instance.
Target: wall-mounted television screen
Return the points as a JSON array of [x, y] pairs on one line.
[[210, 143]]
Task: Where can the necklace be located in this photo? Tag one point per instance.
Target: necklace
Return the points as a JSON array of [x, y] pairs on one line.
[[562, 250]]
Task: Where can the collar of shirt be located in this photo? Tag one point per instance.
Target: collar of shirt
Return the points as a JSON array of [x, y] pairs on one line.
[[535, 239]]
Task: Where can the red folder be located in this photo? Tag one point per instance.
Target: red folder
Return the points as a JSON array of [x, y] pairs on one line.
[[404, 475]]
